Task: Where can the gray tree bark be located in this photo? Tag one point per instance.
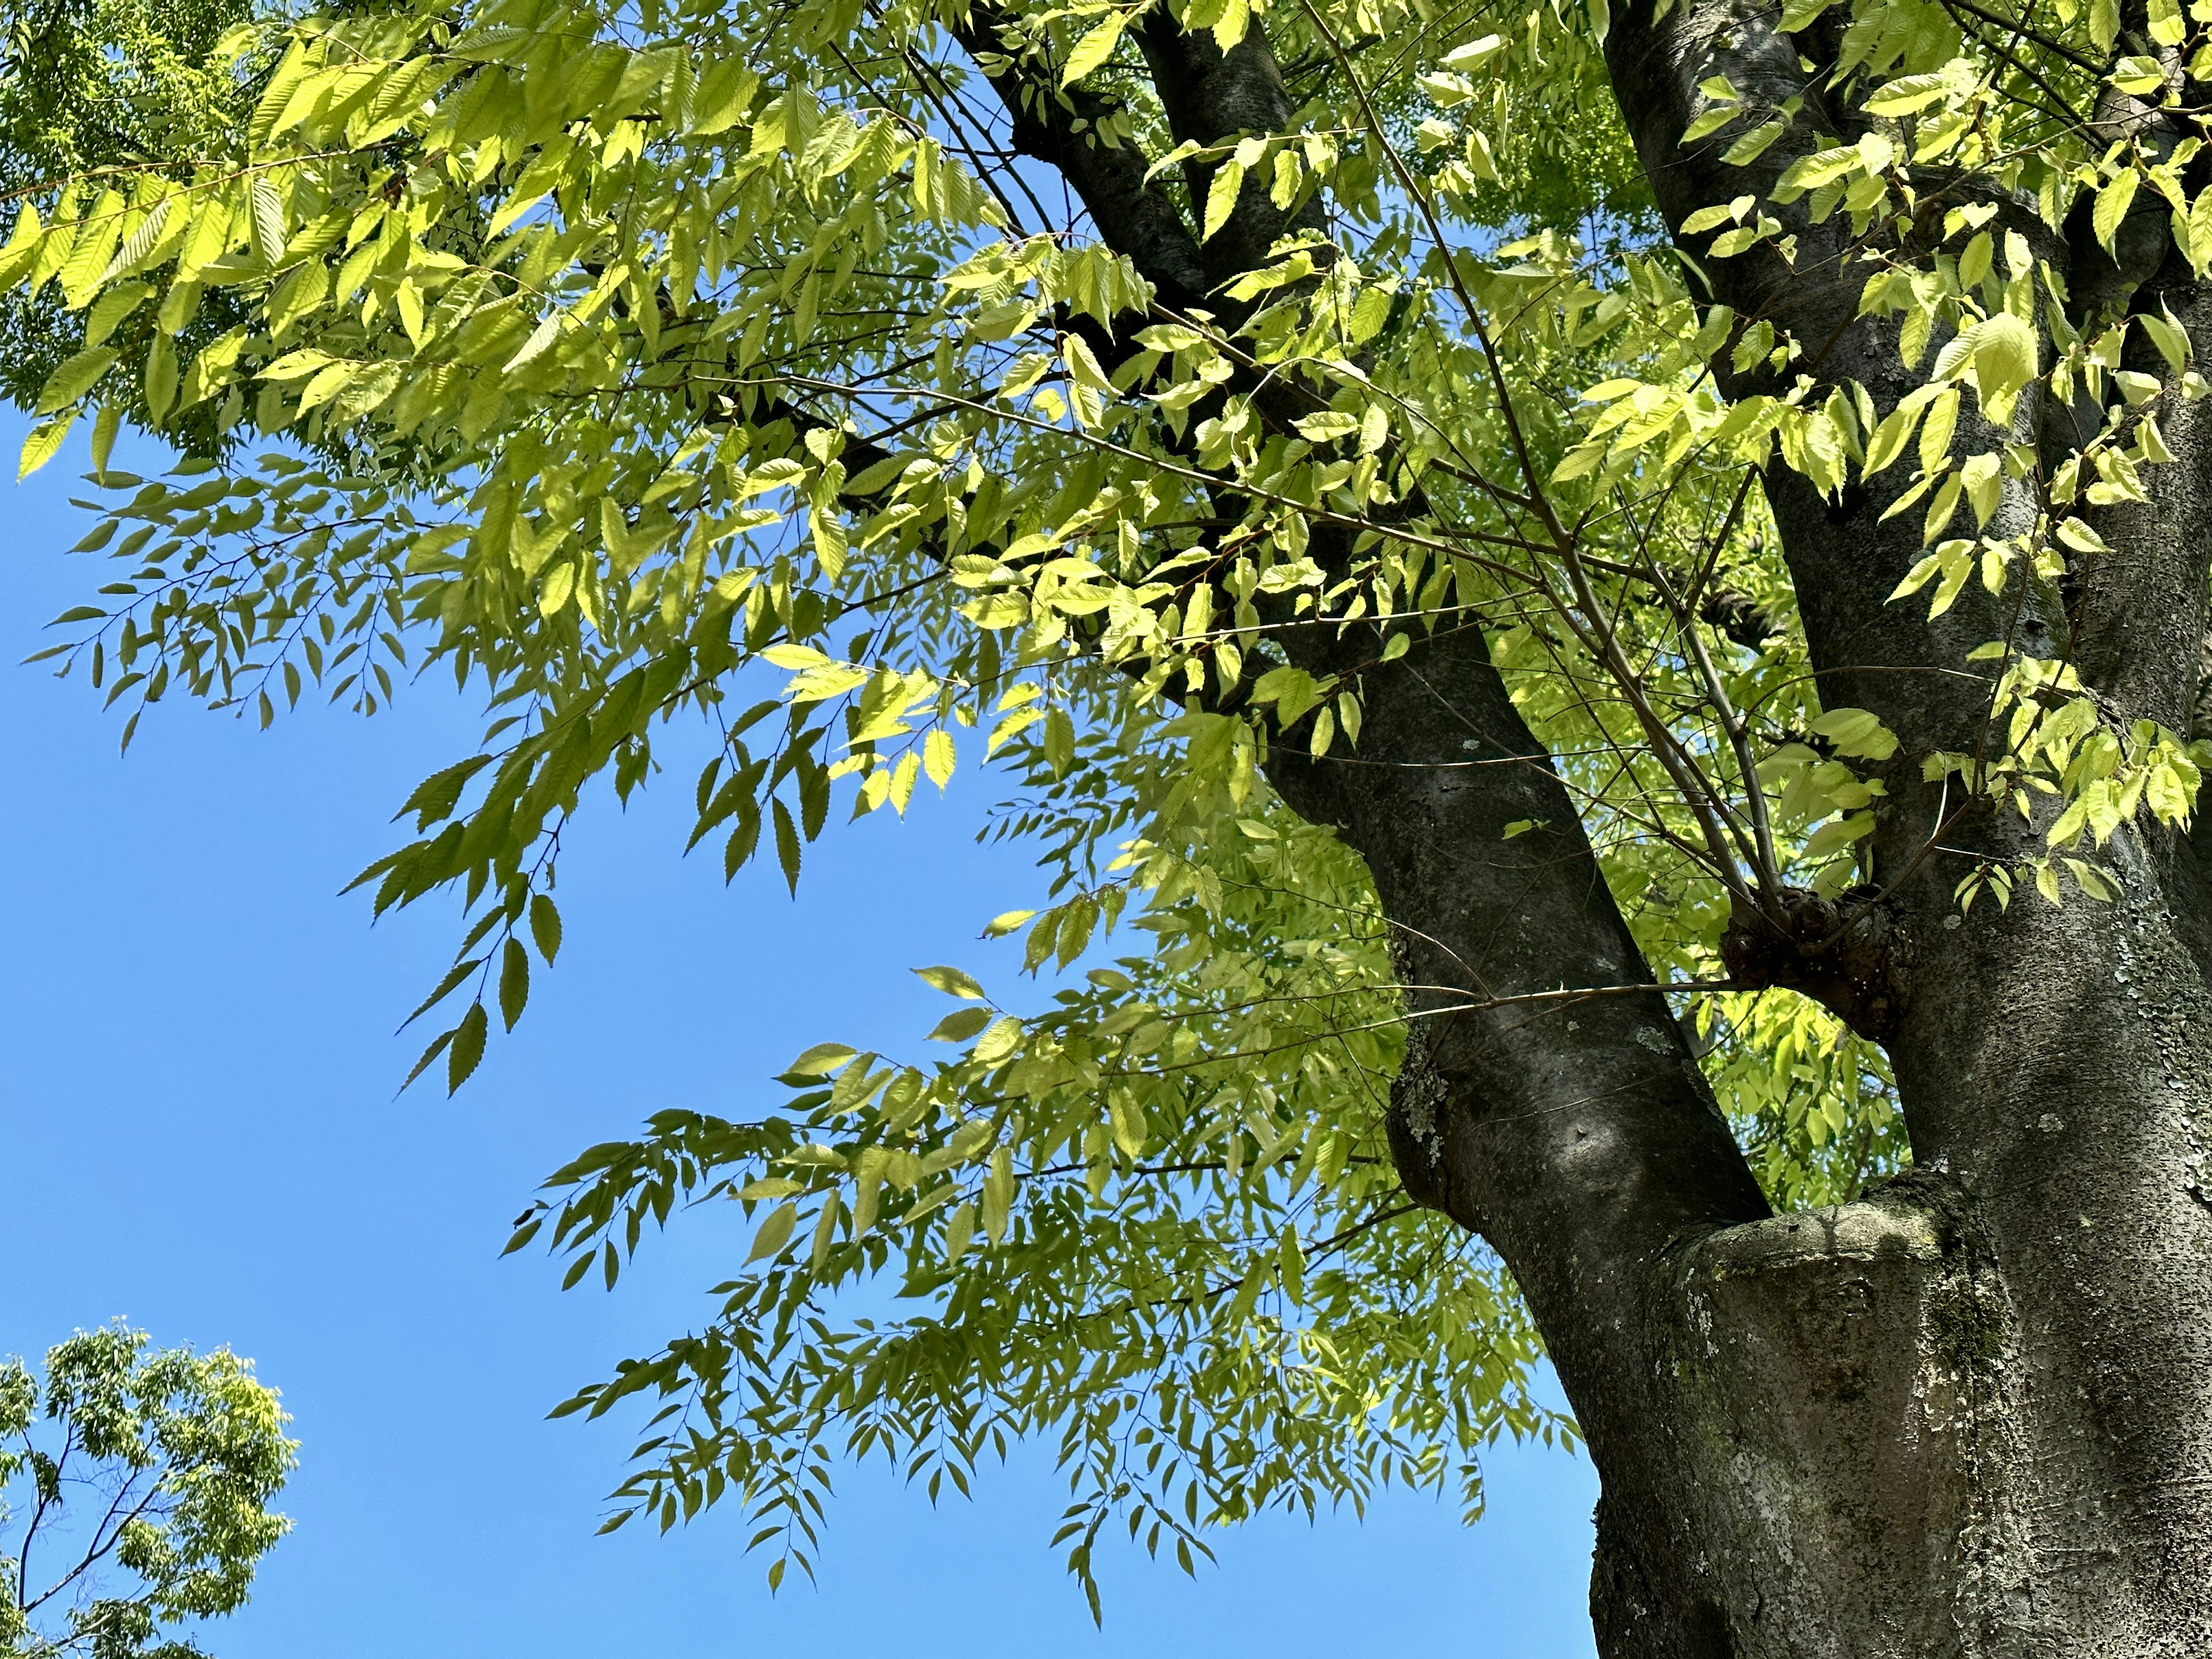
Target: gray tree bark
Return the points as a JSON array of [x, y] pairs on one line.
[[1970, 1414]]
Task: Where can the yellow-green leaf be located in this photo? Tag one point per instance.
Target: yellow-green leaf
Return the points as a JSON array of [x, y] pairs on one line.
[[1857, 732], [265, 225], [938, 756], [775, 1232], [952, 981], [2113, 203], [43, 441], [1094, 48], [1221, 197], [73, 380]]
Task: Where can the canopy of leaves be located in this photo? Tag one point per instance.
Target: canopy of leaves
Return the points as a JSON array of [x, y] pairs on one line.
[[134, 1487], [98, 84], [899, 389]]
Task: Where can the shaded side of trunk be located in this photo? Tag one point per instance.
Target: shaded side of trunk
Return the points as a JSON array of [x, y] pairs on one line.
[[1970, 1414]]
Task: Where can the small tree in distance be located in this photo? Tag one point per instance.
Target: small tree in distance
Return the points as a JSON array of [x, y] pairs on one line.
[[135, 1487]]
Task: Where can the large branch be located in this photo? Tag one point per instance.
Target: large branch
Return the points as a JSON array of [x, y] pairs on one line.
[[2135, 618], [1845, 560], [1060, 128], [1210, 96], [1576, 1135], [2140, 618], [1845, 556]]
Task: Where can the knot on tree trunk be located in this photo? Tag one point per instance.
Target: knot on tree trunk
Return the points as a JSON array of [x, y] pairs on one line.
[[1846, 953], [1830, 1488]]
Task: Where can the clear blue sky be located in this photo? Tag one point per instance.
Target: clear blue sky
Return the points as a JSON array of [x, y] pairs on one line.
[[198, 1131]]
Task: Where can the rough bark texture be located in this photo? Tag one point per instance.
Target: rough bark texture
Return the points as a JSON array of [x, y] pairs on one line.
[[1972, 1413], [2015, 1341]]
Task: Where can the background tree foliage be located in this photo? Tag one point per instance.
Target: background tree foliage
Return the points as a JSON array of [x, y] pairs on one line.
[[899, 389], [109, 83], [135, 1487]]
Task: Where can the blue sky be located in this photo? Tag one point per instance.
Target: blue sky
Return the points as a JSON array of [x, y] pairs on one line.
[[199, 1132]]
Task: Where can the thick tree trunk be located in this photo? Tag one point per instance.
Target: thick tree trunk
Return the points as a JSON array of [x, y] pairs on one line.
[[1970, 1414]]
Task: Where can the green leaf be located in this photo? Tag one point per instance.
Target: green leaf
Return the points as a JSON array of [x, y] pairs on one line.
[[1906, 96], [514, 980], [111, 308], [823, 1059], [2138, 75], [160, 378], [952, 981], [1710, 123], [999, 1042], [825, 1227], [2170, 337], [1936, 436], [1837, 834], [2005, 356], [87, 262], [437, 1046], [541, 337], [265, 220], [43, 443], [459, 972], [545, 927], [1221, 198], [938, 756], [999, 1195], [468, 1047], [775, 1232], [1131, 1131], [1293, 690], [1857, 732], [2113, 201], [724, 93], [1753, 144], [1327, 427], [22, 246], [1094, 48], [105, 426], [960, 1024], [73, 380], [959, 1231], [787, 844]]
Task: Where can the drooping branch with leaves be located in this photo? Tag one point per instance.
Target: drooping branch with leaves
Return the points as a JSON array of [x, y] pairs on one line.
[[1597, 615]]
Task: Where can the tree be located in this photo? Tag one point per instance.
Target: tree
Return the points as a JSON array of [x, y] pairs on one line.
[[158, 1465], [1628, 684]]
